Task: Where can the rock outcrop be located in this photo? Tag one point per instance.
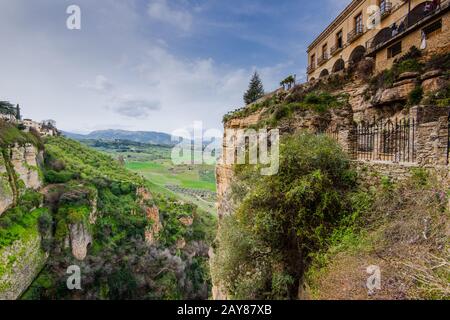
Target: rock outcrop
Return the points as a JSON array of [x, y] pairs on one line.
[[152, 232], [19, 169], [80, 240], [6, 192], [25, 162], [151, 211]]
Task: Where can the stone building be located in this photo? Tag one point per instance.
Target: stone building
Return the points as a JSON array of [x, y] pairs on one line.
[[379, 29]]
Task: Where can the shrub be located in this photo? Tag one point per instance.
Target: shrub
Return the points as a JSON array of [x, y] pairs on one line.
[[415, 96], [51, 176], [282, 218], [408, 65]]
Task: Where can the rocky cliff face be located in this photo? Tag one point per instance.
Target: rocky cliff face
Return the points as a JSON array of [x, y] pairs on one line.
[[20, 263], [23, 259], [364, 104], [6, 192], [80, 239], [151, 211], [18, 171], [25, 163]]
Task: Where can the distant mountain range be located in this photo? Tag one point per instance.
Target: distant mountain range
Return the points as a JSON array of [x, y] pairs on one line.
[[136, 136]]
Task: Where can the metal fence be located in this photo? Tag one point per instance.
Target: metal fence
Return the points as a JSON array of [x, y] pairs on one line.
[[385, 141]]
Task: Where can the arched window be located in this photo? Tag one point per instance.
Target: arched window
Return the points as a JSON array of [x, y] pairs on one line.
[[357, 54], [324, 73], [339, 65], [382, 36]]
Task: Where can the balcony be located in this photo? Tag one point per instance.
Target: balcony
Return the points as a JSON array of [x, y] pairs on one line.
[[355, 34], [311, 68], [336, 49], [385, 9], [322, 59], [403, 26]]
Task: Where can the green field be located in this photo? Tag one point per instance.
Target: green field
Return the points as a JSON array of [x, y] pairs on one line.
[[192, 183], [164, 177]]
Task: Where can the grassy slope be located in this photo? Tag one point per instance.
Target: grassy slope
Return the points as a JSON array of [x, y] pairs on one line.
[[404, 231]]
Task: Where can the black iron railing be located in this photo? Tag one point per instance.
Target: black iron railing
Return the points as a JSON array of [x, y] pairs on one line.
[[322, 59], [311, 68], [392, 141], [335, 49], [385, 141], [355, 33]]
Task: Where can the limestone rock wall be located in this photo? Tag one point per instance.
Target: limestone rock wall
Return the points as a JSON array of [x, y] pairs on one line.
[[6, 192], [80, 239], [19, 169], [25, 162], [151, 211]]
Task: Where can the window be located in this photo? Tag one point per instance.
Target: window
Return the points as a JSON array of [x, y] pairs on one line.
[[324, 51], [382, 6], [339, 40], [433, 28], [394, 50], [359, 23]]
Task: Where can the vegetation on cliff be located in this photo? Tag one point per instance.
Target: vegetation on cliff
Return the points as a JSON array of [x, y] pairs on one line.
[[284, 104], [264, 248], [314, 228], [85, 185], [402, 229], [11, 134]]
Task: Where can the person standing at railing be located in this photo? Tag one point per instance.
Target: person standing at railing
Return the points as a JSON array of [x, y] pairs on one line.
[[428, 7]]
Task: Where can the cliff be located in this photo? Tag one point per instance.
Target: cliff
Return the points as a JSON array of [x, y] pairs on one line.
[[347, 107], [21, 255], [23, 259], [18, 171]]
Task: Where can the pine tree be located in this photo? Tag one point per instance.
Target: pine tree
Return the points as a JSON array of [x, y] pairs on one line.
[[255, 89], [18, 115]]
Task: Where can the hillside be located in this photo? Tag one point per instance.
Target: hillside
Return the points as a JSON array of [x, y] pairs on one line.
[[88, 210], [157, 138], [362, 191]]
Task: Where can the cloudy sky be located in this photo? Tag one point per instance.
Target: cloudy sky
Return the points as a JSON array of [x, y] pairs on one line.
[[154, 65]]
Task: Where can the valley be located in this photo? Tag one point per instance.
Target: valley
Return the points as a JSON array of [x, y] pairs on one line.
[[193, 183]]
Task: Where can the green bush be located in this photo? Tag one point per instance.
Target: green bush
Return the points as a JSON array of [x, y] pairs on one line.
[[51, 176], [282, 218], [415, 96]]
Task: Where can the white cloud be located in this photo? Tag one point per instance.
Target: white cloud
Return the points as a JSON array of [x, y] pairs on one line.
[[161, 11], [101, 84], [134, 107]]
